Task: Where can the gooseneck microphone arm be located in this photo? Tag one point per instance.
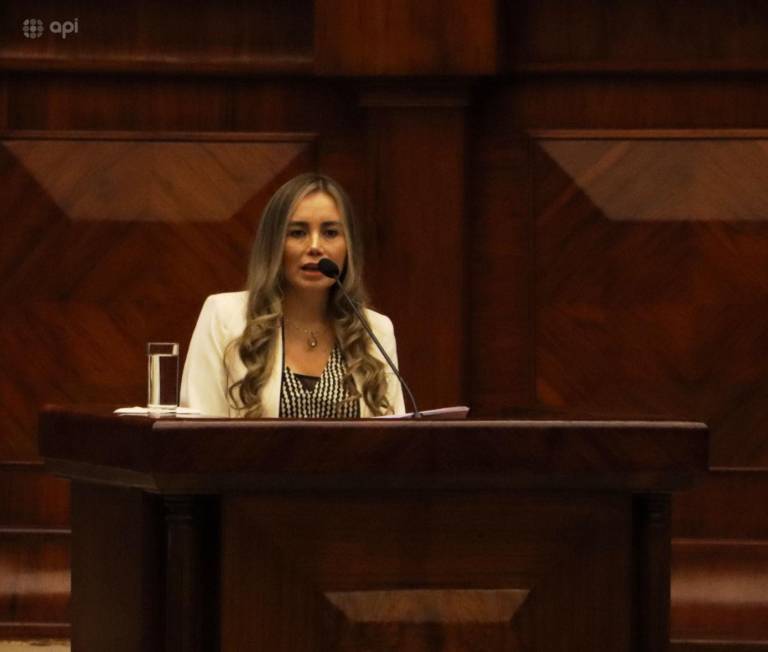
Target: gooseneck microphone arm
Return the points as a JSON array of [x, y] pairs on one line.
[[331, 270]]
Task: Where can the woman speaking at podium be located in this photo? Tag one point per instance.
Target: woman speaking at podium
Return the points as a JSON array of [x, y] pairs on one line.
[[290, 345]]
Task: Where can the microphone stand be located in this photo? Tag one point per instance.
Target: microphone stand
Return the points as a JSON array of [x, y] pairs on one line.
[[335, 277]]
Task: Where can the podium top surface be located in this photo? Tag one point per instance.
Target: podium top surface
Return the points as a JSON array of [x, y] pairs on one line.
[[205, 455]]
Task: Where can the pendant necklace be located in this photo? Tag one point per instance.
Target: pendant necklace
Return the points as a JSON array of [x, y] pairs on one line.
[[311, 337]]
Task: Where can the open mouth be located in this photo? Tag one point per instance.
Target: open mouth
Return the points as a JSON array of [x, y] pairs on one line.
[[310, 267]]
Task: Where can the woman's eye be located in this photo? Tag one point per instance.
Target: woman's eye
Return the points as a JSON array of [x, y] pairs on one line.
[[295, 233], [331, 233]]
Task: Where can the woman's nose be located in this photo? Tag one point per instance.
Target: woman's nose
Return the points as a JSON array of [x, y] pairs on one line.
[[314, 242]]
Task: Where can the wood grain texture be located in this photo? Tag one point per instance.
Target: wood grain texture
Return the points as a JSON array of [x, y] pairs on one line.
[[500, 306], [416, 195], [177, 455], [429, 605], [703, 645], [726, 504], [640, 310], [192, 568], [109, 237], [34, 552], [36, 580], [367, 547], [397, 37], [652, 574], [177, 37], [163, 106], [705, 277], [117, 553], [585, 67], [290, 548], [574, 36], [32, 498], [720, 590], [620, 101]]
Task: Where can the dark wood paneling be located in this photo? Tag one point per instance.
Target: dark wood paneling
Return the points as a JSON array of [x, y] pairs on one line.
[[499, 235], [720, 590], [175, 37], [3, 101], [637, 102], [417, 167], [419, 511], [362, 572], [34, 552], [106, 553], [399, 37], [677, 645], [648, 279], [416, 198], [94, 264], [178, 455], [724, 505], [652, 554], [666, 281], [34, 593], [149, 104], [632, 35], [32, 498]]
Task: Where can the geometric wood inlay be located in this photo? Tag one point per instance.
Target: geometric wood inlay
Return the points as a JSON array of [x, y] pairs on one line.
[[650, 180], [421, 573], [113, 240], [651, 269], [429, 606], [130, 181]]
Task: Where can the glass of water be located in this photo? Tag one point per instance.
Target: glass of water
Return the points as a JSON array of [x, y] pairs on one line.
[[162, 376]]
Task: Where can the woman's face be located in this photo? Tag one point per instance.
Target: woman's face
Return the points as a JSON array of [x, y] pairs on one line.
[[315, 231]]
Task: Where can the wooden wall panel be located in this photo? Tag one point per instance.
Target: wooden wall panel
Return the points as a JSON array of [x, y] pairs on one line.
[[399, 37], [180, 105], [19, 481], [499, 235], [124, 242], [720, 592], [418, 261], [34, 552], [726, 505], [173, 37], [34, 594], [621, 101], [632, 35], [434, 183], [659, 237], [649, 257]]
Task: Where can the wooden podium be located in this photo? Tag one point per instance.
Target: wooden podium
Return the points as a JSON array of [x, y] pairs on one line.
[[370, 535]]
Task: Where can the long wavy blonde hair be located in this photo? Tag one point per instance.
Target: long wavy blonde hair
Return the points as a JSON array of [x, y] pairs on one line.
[[256, 345]]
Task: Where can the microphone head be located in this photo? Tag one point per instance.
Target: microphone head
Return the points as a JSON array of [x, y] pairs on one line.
[[328, 267]]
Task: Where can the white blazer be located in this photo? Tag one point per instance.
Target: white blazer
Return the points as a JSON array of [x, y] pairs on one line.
[[204, 382]]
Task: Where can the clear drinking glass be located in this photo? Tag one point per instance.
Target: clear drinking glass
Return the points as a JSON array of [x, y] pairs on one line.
[[162, 376]]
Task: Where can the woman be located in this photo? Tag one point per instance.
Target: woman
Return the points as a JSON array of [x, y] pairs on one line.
[[290, 345]]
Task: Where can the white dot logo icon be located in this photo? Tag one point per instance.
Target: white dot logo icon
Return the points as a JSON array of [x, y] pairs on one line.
[[33, 28]]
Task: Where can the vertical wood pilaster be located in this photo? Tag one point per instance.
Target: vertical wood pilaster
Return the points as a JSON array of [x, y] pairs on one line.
[[416, 204], [652, 572], [183, 581]]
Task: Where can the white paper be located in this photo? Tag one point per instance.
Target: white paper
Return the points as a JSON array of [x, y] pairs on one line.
[[453, 412], [182, 411]]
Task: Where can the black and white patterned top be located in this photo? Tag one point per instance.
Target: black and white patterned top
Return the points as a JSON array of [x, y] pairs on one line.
[[320, 400]]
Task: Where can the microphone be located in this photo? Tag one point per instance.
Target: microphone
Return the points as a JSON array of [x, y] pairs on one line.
[[331, 270]]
